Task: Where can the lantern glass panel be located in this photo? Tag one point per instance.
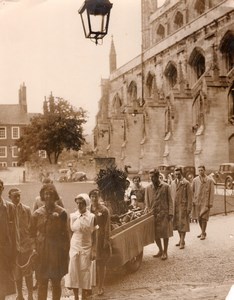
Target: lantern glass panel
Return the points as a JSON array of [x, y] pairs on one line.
[[98, 23]]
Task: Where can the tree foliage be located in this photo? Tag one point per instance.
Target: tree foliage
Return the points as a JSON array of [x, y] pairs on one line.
[[112, 184], [59, 127]]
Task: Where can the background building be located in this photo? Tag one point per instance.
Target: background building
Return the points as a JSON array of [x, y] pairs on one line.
[[13, 119], [174, 103]]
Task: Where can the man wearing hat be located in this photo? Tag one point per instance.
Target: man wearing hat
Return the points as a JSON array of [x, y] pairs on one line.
[[24, 244], [158, 200]]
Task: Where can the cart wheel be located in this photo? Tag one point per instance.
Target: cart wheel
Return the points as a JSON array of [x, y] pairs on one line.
[[134, 264]]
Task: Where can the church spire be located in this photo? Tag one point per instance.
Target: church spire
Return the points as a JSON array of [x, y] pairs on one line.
[[112, 57]]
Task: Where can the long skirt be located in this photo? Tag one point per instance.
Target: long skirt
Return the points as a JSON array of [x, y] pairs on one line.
[[79, 271]]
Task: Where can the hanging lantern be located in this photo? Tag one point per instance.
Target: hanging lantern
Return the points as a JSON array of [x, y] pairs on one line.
[[95, 15]]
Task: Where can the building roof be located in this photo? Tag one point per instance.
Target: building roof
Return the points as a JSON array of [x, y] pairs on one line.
[[14, 114]]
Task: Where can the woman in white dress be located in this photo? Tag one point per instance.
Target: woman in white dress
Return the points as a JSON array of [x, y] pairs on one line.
[[82, 248]]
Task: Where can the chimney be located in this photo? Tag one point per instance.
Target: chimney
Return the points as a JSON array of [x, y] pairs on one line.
[[23, 98]]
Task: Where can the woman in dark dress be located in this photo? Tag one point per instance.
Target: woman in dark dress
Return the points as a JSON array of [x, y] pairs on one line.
[[50, 230], [103, 235]]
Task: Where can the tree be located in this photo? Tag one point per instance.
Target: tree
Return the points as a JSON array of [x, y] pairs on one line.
[[59, 127]]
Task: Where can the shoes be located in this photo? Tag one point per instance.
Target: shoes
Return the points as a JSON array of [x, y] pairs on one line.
[[199, 236], [159, 254], [179, 244], [100, 292], [182, 245], [164, 256], [203, 237]]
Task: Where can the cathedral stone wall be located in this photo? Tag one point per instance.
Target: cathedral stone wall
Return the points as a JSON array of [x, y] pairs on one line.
[[174, 103]]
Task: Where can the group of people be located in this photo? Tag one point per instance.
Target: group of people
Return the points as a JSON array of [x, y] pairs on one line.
[[53, 245], [77, 248], [173, 204]]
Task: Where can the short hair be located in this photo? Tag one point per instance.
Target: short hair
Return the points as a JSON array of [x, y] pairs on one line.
[[136, 177], [203, 167], [154, 171], [47, 180], [94, 192], [179, 169], [49, 187], [14, 191]]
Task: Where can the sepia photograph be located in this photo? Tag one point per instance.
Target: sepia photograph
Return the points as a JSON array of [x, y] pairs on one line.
[[116, 149]]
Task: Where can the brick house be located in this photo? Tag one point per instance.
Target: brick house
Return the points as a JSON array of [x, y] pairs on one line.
[[13, 119], [174, 103]]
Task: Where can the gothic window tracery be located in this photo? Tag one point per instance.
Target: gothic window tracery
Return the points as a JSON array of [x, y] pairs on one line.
[[178, 20], [150, 86], [198, 63], [160, 32], [132, 94], [117, 104], [200, 6], [171, 74], [227, 50]]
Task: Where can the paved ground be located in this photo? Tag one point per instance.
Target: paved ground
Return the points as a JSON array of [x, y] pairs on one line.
[[204, 270]]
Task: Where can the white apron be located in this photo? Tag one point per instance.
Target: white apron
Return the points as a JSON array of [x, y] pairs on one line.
[[79, 275]]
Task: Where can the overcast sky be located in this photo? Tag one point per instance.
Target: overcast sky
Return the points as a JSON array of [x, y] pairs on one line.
[[43, 45]]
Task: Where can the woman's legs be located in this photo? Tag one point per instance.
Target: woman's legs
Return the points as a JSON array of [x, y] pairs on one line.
[[42, 288], [29, 284], [101, 273], [76, 294], [56, 288]]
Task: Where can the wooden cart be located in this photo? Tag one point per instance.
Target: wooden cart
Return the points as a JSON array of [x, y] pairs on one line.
[[128, 241]]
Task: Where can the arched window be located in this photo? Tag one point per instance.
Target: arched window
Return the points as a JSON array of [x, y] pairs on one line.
[[231, 105], [117, 104], [227, 50], [132, 94], [198, 63], [171, 74], [200, 6], [160, 32], [179, 20], [150, 85]]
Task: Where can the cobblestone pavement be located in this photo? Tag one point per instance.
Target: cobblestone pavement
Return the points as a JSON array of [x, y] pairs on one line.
[[204, 270]]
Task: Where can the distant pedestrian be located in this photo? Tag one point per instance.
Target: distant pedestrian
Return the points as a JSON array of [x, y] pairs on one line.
[[158, 199], [181, 193], [103, 237], [82, 248], [139, 191], [50, 231], [203, 196], [7, 246]]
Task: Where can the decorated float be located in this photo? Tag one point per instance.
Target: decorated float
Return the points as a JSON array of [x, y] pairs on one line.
[[132, 228]]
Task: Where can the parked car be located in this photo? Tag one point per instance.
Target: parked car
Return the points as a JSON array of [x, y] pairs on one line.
[[167, 171], [64, 176], [79, 176], [225, 175]]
